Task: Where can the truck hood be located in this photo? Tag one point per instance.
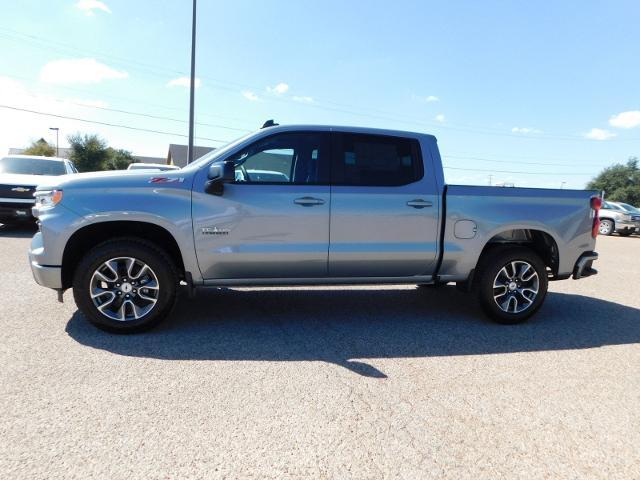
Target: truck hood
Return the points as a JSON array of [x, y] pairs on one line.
[[28, 180], [114, 179]]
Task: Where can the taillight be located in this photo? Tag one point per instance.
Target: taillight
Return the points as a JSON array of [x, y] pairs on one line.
[[596, 204]]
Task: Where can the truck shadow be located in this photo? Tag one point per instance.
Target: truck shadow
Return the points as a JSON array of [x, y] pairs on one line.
[[339, 326], [22, 230]]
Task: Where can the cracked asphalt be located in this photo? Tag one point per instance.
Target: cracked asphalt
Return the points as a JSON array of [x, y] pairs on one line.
[[362, 382]]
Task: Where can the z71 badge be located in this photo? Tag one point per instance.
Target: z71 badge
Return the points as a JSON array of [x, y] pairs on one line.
[[166, 180]]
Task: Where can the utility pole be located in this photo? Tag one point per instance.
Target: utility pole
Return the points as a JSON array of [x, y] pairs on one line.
[[57, 132], [490, 180], [562, 184], [193, 84]]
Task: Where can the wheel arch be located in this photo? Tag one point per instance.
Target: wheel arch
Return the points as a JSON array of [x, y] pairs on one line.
[[539, 240], [87, 237]]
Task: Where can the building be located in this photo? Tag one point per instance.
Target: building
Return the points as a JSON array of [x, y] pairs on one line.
[[178, 154]]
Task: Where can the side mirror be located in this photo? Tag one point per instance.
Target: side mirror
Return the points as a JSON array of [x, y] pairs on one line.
[[219, 174]]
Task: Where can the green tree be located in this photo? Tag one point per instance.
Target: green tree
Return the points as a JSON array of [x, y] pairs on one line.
[[88, 152], [118, 159], [41, 147], [621, 183]]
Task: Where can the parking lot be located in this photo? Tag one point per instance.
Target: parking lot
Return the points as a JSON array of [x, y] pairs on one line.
[[362, 382]]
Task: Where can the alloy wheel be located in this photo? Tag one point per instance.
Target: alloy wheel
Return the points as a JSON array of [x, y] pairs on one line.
[[516, 287], [124, 289]]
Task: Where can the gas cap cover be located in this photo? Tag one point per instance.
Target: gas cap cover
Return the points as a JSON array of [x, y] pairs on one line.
[[465, 229]]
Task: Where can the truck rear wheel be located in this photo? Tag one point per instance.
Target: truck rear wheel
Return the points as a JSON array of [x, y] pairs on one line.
[[125, 285], [512, 284]]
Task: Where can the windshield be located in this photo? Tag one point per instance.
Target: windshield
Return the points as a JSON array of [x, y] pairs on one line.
[[31, 166], [629, 208], [220, 151]]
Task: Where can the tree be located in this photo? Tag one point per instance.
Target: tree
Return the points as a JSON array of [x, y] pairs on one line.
[[40, 147], [118, 159], [621, 183], [88, 152]]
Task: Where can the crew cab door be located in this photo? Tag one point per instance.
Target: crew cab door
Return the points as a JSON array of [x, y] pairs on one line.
[[273, 221], [384, 208]]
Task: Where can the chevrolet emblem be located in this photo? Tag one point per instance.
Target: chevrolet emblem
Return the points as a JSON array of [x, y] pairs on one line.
[[20, 189]]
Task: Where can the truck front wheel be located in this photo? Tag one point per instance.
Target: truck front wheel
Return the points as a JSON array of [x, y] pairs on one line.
[[512, 284], [125, 285]]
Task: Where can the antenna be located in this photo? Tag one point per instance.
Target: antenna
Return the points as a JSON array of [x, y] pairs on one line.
[[270, 123]]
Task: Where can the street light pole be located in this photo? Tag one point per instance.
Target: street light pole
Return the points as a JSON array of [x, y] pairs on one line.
[[193, 84], [57, 131]]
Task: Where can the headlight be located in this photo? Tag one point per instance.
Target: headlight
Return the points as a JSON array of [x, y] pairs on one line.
[[48, 198], [626, 218]]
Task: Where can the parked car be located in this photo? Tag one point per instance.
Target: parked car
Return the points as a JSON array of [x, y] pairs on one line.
[[615, 218], [351, 206], [19, 176], [151, 166]]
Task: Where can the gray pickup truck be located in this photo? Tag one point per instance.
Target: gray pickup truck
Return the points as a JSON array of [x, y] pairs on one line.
[[305, 205]]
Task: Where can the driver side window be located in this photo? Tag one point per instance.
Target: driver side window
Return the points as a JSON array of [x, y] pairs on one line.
[[287, 158]]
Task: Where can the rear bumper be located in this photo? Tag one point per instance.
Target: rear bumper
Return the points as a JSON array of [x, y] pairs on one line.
[[584, 266]]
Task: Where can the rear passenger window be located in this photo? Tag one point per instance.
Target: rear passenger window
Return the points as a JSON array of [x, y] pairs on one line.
[[375, 160]]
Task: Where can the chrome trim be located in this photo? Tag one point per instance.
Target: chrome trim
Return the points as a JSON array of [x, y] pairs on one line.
[[18, 200], [256, 282]]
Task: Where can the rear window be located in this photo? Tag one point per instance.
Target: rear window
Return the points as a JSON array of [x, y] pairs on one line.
[[376, 160], [31, 166]]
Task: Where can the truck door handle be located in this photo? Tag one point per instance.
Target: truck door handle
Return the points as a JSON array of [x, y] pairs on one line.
[[419, 203], [308, 201]]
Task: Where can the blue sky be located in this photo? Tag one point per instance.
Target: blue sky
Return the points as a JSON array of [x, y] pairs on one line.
[[547, 89]]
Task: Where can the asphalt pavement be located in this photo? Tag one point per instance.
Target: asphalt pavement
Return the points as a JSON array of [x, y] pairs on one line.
[[359, 382]]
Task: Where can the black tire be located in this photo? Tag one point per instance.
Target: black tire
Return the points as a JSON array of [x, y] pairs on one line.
[[625, 233], [607, 227], [491, 265], [145, 253]]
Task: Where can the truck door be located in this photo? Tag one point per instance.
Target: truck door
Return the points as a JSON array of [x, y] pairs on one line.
[[273, 221], [384, 208]]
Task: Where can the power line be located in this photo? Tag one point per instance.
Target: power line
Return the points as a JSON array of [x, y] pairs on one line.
[[519, 162], [225, 141], [132, 100], [9, 107], [387, 115], [510, 171], [146, 115]]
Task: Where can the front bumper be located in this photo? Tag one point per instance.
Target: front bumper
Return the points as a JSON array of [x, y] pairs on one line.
[[16, 210], [49, 276], [627, 226], [584, 266]]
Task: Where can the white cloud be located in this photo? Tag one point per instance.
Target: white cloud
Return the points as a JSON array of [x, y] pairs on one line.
[[279, 89], [599, 134], [78, 70], [250, 96], [183, 82], [630, 119], [440, 118], [426, 99], [525, 130], [302, 99], [90, 5]]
